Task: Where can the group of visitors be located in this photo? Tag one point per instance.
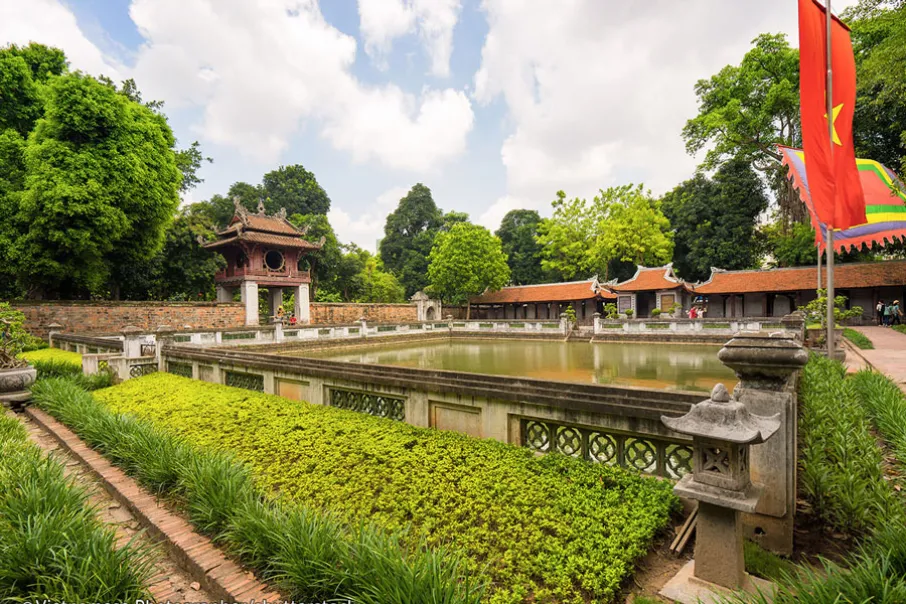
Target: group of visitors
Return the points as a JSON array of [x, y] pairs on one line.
[[292, 318], [697, 312], [888, 314]]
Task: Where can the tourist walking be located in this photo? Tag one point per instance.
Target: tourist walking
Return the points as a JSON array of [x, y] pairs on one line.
[[887, 310], [895, 313], [880, 310]]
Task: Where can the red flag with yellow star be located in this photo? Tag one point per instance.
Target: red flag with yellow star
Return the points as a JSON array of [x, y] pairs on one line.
[[833, 178]]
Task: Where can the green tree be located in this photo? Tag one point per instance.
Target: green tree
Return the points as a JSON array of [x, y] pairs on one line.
[[408, 237], [101, 183], [23, 72], [517, 233], [879, 42], [325, 263], [465, 261], [379, 285], [453, 218], [790, 247], [295, 189], [745, 110], [622, 225], [715, 220]]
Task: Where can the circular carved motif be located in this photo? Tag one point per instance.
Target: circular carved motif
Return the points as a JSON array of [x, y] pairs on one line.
[[569, 441], [602, 448], [274, 260]]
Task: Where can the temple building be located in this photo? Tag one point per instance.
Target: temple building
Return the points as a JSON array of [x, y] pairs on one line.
[[544, 301], [746, 293], [264, 251]]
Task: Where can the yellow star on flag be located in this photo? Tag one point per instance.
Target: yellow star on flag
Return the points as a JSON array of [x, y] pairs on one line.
[[837, 110]]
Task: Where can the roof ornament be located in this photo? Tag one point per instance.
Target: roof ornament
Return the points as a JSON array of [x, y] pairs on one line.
[[241, 211], [322, 241], [200, 239], [281, 214], [261, 211]]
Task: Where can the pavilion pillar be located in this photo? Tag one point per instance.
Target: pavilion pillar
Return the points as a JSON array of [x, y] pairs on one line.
[[275, 296], [249, 292], [302, 307], [224, 293]]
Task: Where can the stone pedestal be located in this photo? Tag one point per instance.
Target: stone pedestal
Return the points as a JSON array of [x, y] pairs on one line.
[[132, 342], [225, 294], [249, 293]]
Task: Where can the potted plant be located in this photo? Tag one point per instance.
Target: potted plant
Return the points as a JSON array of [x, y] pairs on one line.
[[610, 311], [816, 319], [677, 310], [628, 312], [655, 313], [15, 374]]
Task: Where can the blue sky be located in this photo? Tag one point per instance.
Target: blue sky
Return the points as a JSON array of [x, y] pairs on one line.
[[494, 104]]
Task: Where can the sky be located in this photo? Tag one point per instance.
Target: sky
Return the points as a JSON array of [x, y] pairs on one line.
[[493, 104]]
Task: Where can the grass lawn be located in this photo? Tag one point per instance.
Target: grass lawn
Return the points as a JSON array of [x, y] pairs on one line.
[[858, 338], [544, 529]]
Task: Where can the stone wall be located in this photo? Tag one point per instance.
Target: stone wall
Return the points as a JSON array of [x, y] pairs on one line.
[[88, 317]]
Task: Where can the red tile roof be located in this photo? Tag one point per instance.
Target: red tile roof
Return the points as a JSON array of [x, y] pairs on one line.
[[266, 239], [270, 224], [846, 276], [649, 279], [547, 292]]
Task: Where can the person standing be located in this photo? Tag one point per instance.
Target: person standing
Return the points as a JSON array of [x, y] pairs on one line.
[[895, 313], [880, 310], [887, 315]]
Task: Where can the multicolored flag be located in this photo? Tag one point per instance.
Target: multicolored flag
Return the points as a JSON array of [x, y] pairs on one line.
[[836, 190], [885, 203]]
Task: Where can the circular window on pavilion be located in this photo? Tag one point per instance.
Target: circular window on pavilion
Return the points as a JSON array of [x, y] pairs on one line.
[[273, 260]]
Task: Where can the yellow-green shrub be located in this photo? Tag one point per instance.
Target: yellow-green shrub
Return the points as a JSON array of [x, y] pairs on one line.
[[53, 354], [544, 529]]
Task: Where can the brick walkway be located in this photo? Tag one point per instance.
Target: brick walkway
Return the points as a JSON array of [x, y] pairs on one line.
[[889, 354]]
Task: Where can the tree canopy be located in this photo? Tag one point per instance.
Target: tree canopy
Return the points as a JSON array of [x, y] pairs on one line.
[[621, 225], [465, 261], [714, 220], [408, 237], [518, 231]]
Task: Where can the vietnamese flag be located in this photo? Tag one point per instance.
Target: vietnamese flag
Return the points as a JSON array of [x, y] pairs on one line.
[[833, 178]]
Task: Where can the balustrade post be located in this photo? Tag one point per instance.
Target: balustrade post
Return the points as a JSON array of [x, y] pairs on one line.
[[164, 337], [132, 342], [53, 329], [767, 368]]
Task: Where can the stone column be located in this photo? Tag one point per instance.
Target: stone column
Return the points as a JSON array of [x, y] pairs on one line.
[[302, 308], [275, 296], [278, 329], [163, 337], [363, 327], [132, 342], [224, 293], [249, 292], [767, 368], [52, 329]]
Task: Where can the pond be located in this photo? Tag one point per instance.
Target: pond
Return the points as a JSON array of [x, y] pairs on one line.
[[645, 365]]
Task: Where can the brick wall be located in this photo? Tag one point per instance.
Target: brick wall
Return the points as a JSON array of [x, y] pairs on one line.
[[110, 317], [324, 313]]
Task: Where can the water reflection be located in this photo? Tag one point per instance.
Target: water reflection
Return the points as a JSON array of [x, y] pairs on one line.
[[663, 366]]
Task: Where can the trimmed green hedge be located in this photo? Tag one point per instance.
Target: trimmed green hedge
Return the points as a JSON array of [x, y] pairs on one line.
[[52, 546], [858, 338], [549, 528], [308, 555], [55, 355]]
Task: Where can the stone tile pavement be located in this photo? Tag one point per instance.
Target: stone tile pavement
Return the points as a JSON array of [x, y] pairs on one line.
[[889, 354]]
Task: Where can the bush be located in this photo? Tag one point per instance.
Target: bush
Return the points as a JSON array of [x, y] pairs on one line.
[[53, 355], [309, 555], [858, 338], [52, 546], [840, 461], [543, 528], [629, 312], [655, 312], [885, 404]]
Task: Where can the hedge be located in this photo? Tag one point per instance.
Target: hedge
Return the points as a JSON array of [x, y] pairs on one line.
[[308, 555], [52, 546], [540, 528], [55, 355]]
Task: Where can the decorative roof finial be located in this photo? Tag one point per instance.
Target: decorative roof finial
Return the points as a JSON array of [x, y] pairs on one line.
[[240, 209], [282, 214], [261, 211]]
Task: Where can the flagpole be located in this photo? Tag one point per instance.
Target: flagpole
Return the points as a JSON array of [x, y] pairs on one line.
[[819, 264], [829, 240]]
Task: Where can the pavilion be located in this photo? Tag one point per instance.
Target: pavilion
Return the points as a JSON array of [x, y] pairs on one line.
[[543, 301]]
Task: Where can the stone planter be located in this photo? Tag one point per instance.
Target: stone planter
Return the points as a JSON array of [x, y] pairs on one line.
[[815, 337], [14, 385]]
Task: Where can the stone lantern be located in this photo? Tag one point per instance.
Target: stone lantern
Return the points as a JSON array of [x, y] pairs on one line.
[[722, 430]]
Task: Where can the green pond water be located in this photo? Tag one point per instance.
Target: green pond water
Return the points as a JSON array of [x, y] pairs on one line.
[[662, 366]]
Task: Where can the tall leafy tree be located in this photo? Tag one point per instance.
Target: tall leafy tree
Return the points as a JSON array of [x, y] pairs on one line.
[[622, 226], [408, 237], [296, 189], [517, 233], [465, 261], [715, 220], [325, 263], [747, 109], [101, 183], [23, 72], [879, 42], [377, 284]]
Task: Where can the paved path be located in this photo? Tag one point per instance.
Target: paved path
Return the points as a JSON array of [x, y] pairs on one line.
[[889, 354]]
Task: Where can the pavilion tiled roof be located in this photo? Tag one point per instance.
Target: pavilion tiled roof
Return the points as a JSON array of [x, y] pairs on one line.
[[266, 239], [649, 279], [846, 276], [547, 292]]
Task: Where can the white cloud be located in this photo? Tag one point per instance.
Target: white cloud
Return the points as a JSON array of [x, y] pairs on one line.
[[366, 229], [598, 92], [261, 69], [391, 197], [50, 22], [382, 21]]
